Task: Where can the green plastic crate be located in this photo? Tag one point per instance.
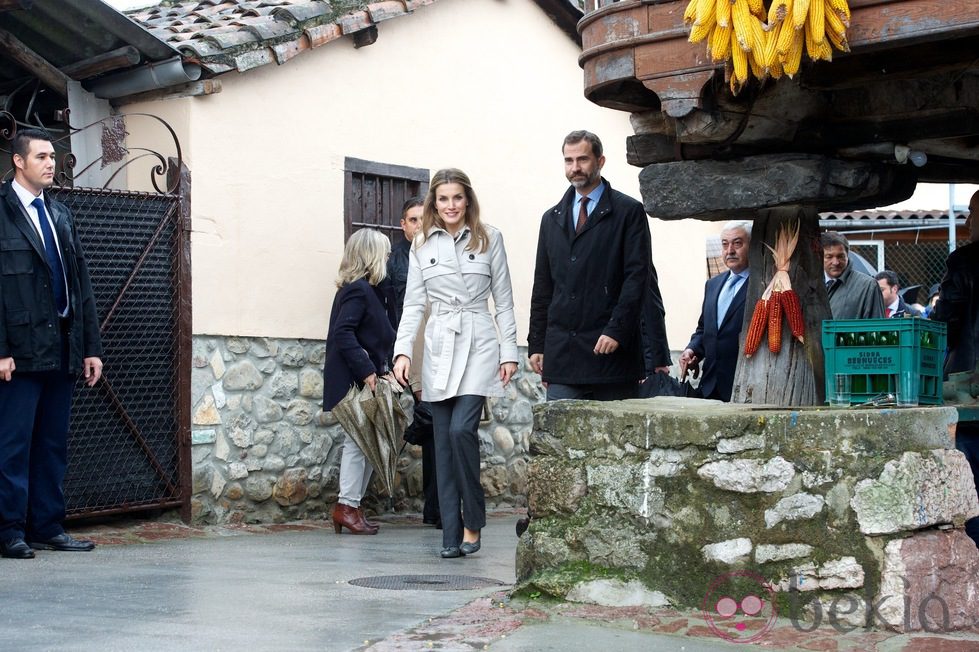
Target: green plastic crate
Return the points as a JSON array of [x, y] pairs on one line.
[[874, 351]]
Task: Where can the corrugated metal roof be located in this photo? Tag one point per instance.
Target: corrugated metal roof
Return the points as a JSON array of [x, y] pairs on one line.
[[884, 219]]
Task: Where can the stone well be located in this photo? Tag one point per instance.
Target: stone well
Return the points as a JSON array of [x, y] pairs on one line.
[[650, 501]]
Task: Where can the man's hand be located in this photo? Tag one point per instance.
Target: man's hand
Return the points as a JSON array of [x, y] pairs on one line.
[[7, 367], [537, 363], [689, 362], [92, 370], [371, 381], [402, 367], [662, 370], [507, 369], [605, 345]]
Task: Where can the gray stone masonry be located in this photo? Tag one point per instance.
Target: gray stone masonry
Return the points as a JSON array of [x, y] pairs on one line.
[[833, 510], [264, 451]]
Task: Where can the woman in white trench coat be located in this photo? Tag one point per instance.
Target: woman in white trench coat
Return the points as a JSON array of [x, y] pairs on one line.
[[456, 264]]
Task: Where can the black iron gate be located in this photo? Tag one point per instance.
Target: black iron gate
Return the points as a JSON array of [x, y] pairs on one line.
[[129, 440]]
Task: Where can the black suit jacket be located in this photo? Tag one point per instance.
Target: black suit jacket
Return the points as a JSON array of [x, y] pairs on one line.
[[359, 341], [29, 330], [958, 306], [903, 309], [588, 285], [719, 347]]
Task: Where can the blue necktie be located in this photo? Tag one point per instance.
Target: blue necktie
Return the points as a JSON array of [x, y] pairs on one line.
[[727, 296], [54, 260]]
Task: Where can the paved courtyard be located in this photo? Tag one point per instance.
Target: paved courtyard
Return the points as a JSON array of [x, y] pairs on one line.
[[165, 586]]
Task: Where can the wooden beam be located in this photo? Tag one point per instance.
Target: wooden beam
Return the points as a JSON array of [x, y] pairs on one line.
[[11, 5], [35, 64], [123, 57], [193, 89]]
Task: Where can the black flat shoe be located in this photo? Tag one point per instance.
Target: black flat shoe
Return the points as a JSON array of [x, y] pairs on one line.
[[63, 542], [468, 548], [451, 552], [16, 549]]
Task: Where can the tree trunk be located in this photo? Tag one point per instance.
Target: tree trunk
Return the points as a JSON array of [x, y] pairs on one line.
[[793, 377]]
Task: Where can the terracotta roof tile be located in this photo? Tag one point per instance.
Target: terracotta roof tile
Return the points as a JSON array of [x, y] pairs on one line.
[[322, 34], [225, 35], [385, 10], [300, 13], [354, 21], [285, 51]]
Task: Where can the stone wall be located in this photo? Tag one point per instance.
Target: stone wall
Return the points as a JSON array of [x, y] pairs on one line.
[[830, 510], [264, 451]]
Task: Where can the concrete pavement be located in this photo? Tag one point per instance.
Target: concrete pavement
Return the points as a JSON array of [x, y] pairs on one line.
[[166, 586]]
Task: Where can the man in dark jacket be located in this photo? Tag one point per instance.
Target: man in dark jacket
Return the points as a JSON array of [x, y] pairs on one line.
[[590, 282], [717, 338], [411, 222], [894, 304], [958, 306], [49, 333]]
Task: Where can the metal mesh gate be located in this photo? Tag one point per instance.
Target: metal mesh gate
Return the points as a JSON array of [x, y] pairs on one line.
[[916, 263], [125, 450]]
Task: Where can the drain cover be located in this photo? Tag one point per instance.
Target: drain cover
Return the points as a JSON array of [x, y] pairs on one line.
[[425, 582]]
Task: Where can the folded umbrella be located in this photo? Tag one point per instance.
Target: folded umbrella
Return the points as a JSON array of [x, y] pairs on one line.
[[352, 413], [389, 420]]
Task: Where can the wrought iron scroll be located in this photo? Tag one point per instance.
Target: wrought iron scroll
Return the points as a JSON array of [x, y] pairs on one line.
[[115, 152]]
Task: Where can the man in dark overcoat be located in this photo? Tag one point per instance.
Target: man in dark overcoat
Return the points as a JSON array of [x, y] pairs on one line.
[[590, 282], [958, 306], [49, 334]]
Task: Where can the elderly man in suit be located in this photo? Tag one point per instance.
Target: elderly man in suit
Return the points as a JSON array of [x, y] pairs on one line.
[[49, 333], [716, 340]]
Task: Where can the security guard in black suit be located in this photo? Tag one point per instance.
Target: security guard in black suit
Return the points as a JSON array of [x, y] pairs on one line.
[[49, 333]]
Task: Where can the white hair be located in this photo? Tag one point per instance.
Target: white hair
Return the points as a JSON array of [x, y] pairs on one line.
[[738, 225]]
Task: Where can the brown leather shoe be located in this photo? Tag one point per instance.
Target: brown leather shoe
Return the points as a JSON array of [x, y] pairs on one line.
[[345, 516], [370, 523]]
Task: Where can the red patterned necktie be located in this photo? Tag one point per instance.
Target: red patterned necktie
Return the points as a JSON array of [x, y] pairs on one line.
[[582, 216]]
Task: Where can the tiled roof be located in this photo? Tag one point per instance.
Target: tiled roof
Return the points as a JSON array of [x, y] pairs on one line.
[[225, 35], [862, 219]]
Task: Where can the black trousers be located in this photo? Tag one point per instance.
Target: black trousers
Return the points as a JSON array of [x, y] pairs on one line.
[[34, 415], [456, 422], [967, 441], [429, 482]]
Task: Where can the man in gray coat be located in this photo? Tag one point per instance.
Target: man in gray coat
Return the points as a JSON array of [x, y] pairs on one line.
[[852, 294]]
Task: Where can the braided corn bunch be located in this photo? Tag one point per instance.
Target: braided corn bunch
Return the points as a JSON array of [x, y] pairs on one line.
[[778, 298], [761, 43]]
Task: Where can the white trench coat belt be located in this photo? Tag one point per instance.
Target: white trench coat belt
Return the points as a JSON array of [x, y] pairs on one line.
[[464, 344]]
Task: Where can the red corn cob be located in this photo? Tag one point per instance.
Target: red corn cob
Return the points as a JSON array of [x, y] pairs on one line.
[[775, 322], [756, 329], [793, 312]]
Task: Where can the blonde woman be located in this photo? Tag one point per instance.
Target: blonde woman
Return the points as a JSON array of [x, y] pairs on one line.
[[456, 264], [357, 347]]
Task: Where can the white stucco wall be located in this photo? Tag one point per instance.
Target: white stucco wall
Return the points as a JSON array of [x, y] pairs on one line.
[[489, 86]]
